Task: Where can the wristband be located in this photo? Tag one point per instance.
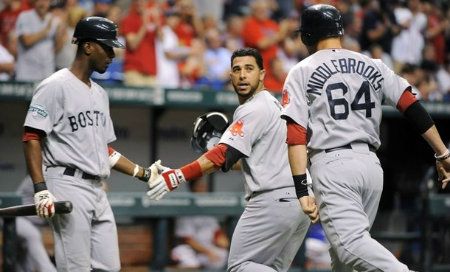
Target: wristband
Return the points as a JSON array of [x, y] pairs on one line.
[[146, 176], [136, 170], [40, 186], [114, 158], [442, 157], [301, 189]]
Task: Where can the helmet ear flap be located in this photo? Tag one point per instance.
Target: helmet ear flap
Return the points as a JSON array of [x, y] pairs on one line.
[[208, 128]]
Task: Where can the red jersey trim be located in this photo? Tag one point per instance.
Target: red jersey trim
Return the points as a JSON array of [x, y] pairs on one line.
[[406, 99], [296, 134]]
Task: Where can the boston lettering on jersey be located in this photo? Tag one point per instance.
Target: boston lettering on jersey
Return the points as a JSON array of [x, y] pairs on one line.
[[87, 118], [345, 66]]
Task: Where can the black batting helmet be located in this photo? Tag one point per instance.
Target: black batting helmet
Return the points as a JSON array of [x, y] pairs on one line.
[[98, 29], [319, 22], [208, 128]]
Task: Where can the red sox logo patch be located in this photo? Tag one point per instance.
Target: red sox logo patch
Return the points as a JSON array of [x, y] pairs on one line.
[[285, 98], [237, 128]]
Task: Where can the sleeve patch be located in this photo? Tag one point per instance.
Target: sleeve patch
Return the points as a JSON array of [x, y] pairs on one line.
[[38, 111], [237, 128]]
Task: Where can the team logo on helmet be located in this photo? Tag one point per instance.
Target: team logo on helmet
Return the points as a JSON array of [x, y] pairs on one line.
[[285, 98], [237, 128]]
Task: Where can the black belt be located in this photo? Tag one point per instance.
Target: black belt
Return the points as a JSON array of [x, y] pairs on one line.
[[347, 146], [71, 172]]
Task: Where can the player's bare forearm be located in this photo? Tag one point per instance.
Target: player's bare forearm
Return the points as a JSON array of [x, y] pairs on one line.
[[33, 158], [127, 167], [434, 140], [297, 159]]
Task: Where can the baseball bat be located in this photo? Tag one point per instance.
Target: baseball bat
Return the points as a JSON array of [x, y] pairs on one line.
[[30, 209]]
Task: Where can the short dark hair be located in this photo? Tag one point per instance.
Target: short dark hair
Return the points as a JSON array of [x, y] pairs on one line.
[[248, 51]]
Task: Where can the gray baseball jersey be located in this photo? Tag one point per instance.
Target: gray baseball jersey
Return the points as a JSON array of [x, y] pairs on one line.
[[272, 226], [257, 133], [77, 123], [78, 127], [337, 95]]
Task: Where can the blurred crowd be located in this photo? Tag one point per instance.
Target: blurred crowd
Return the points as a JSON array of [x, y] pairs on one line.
[[188, 43]]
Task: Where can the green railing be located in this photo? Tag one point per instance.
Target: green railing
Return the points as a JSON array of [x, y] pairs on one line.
[[178, 98]]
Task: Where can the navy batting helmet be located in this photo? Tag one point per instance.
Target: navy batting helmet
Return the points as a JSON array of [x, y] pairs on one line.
[[319, 22], [208, 128], [98, 29]]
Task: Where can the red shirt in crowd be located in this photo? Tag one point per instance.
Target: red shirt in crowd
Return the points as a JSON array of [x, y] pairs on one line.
[[254, 31], [8, 18], [143, 58]]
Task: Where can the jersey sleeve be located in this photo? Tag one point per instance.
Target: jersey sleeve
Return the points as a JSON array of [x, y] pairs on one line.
[[294, 100], [393, 85], [45, 107], [248, 126]]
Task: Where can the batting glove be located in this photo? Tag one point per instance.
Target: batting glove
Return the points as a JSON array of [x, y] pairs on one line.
[[165, 181], [43, 200]]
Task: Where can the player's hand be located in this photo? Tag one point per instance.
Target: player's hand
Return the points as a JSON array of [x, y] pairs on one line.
[[43, 200], [443, 170], [309, 207], [165, 181]]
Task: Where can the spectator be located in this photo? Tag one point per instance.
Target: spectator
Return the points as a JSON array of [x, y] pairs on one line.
[[191, 25], [212, 11], [275, 83], [210, 22], [8, 17], [264, 34], [101, 8], [436, 71], [378, 26], [203, 243], [217, 61], [74, 13], [7, 64], [412, 24], [66, 54], [170, 52], [140, 29], [437, 25], [234, 32], [40, 36], [193, 70], [290, 52]]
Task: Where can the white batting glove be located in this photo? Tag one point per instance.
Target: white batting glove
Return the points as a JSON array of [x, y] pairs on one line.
[[165, 181], [43, 200]]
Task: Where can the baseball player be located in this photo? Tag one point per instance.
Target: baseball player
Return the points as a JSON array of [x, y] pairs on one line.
[[271, 229], [67, 130], [332, 104]]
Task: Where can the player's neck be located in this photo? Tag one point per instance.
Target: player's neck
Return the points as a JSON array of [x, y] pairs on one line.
[[81, 71], [329, 44]]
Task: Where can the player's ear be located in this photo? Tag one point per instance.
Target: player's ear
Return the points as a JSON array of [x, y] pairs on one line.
[[88, 48], [262, 75]]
